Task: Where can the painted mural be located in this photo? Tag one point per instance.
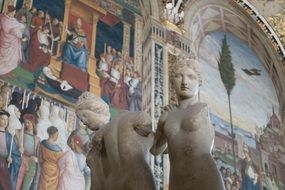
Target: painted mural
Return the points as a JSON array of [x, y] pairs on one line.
[[46, 41], [50, 53], [257, 130], [25, 119]]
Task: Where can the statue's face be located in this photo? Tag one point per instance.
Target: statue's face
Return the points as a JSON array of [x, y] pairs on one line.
[[185, 82], [4, 119]]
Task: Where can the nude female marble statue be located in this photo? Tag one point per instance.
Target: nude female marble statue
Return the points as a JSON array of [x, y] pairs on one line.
[[185, 131]]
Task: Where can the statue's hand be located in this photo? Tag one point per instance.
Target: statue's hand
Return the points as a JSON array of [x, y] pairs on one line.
[[169, 108], [166, 110]]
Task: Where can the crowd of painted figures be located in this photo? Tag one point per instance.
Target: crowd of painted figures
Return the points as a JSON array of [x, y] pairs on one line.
[[119, 81], [39, 149], [31, 38], [249, 180], [247, 176]]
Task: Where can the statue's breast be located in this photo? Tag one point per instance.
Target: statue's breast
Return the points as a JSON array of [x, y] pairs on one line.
[[195, 117]]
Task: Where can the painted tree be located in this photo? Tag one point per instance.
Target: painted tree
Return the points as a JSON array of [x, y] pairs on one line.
[[227, 73]]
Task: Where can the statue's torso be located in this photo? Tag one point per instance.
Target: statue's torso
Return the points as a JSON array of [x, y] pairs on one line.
[[189, 128], [190, 138]]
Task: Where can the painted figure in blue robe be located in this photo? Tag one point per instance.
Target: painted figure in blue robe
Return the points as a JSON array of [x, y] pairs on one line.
[[10, 157], [26, 38], [249, 174], [75, 50], [135, 93]]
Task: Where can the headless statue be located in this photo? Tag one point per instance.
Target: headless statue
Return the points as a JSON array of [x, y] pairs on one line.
[[185, 131], [119, 150]]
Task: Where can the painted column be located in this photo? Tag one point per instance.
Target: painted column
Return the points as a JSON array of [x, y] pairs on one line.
[[94, 85], [126, 39], [154, 94], [138, 43], [67, 5], [94, 33], [158, 92]]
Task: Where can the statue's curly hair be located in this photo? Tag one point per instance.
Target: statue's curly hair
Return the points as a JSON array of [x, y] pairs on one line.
[[190, 63], [90, 102], [179, 64]]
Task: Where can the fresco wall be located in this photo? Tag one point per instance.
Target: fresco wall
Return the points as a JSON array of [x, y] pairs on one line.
[[60, 38], [51, 52], [30, 117], [259, 159]]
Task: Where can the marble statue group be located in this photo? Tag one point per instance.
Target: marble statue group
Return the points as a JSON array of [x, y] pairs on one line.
[[120, 149]]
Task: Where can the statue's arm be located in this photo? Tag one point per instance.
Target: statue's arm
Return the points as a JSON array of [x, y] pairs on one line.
[[211, 126], [160, 143]]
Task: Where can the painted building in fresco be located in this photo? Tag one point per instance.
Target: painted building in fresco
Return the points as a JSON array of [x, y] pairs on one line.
[[123, 51]]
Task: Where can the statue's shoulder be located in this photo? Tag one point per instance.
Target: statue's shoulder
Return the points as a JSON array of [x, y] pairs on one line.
[[200, 107]]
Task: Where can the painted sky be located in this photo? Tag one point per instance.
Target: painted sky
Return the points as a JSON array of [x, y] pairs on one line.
[[252, 97]]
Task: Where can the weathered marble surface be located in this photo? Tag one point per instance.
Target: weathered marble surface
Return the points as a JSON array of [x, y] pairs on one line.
[[119, 150], [185, 131]]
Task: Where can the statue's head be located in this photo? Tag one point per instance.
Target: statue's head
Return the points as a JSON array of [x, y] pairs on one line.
[[92, 111], [185, 78]]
